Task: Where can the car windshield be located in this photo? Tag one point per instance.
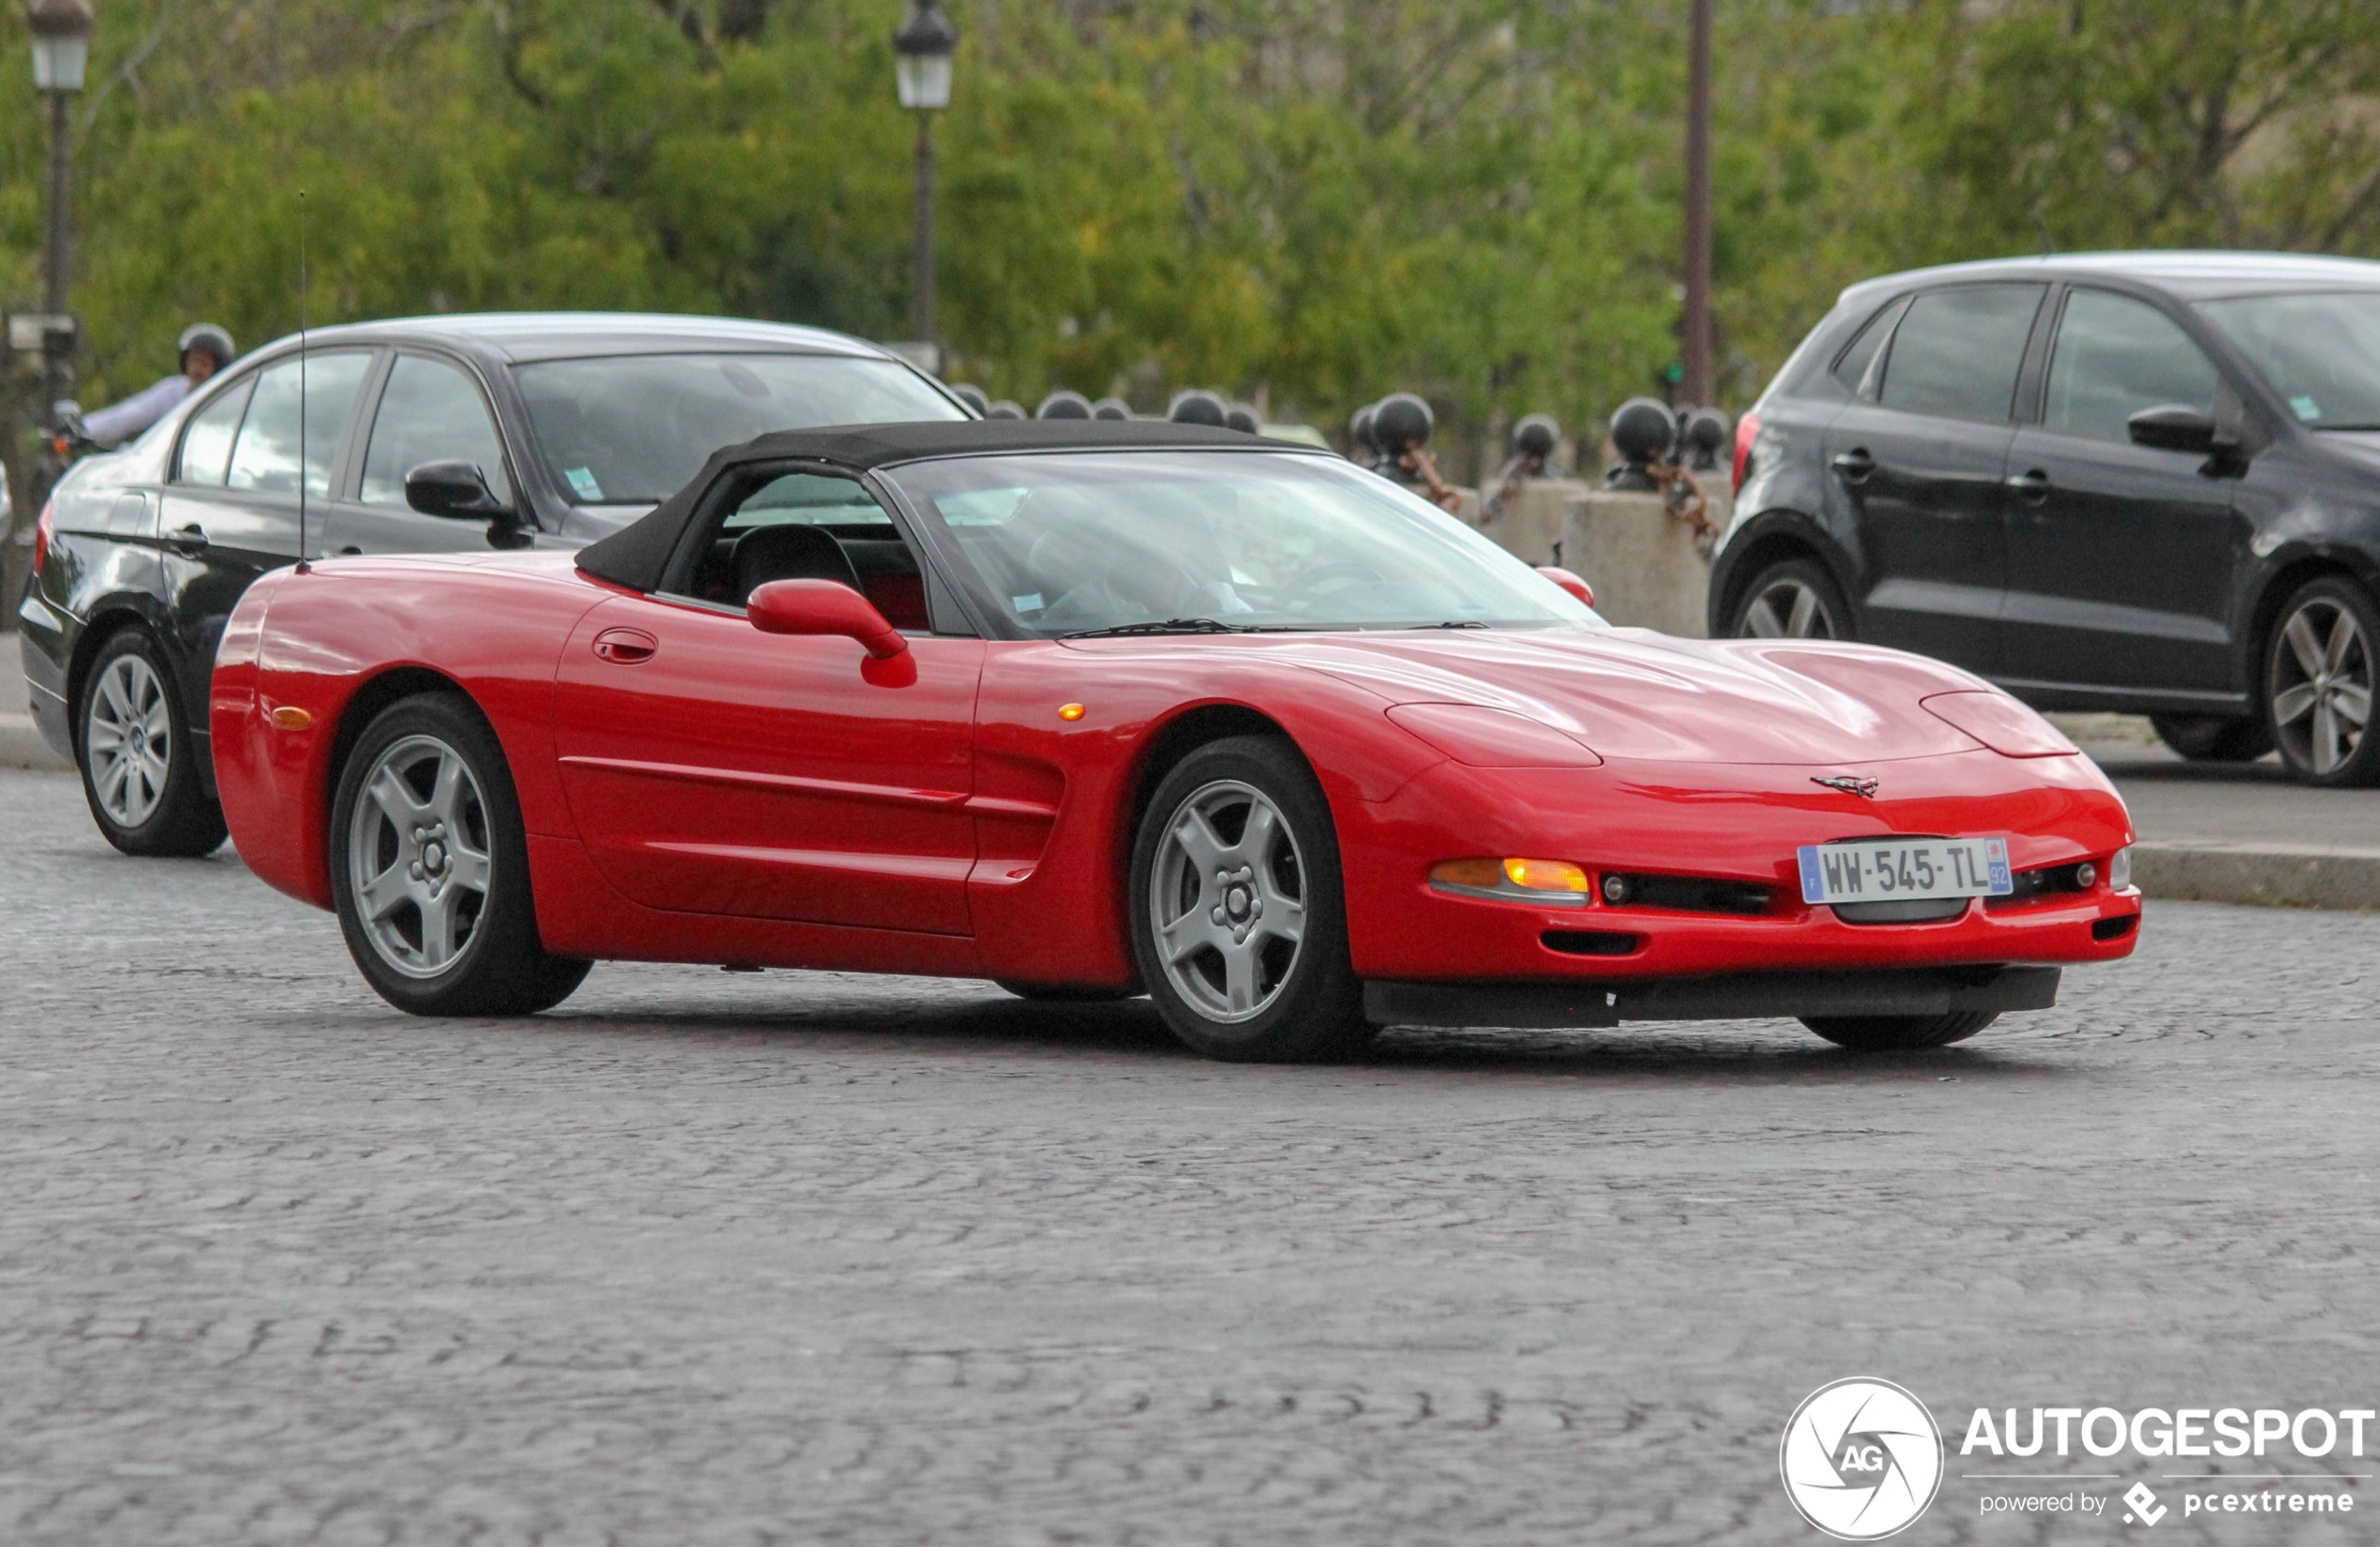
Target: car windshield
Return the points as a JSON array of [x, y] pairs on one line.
[[633, 429], [1214, 542], [2321, 351]]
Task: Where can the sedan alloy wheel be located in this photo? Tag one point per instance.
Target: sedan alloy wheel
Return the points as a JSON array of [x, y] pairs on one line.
[[127, 734]]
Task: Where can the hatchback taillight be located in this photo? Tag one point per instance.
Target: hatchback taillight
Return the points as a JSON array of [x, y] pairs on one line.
[[42, 536], [1746, 428]]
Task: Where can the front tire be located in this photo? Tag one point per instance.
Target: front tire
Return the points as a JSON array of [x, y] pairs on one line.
[[1795, 599], [2213, 738], [1239, 916], [140, 767], [2318, 683], [1899, 1033], [429, 868]]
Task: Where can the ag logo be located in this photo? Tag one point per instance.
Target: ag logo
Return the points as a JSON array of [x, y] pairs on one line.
[[1861, 1459]]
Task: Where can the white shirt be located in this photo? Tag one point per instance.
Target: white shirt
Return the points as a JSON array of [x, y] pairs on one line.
[[116, 424]]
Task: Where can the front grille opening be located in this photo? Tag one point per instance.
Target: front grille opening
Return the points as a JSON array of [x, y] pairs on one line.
[[2115, 929], [1690, 894], [1908, 909], [2045, 884], [1592, 942]]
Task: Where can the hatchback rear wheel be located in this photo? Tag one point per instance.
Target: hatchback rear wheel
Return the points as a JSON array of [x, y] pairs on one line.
[[1793, 600], [2318, 683]]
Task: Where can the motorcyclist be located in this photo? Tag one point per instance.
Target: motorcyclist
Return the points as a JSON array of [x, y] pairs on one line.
[[205, 350]]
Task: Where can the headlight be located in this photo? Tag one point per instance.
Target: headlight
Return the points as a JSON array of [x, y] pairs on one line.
[[2120, 871], [1541, 881], [2000, 723]]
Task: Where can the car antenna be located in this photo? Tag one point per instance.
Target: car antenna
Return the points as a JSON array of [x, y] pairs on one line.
[[301, 193]]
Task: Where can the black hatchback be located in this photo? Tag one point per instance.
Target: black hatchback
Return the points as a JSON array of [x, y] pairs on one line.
[[2146, 483], [530, 430]]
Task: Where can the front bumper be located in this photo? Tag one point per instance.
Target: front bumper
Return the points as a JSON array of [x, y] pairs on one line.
[[1720, 997]]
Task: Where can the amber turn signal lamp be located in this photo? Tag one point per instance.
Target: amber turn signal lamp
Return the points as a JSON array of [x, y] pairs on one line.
[[1544, 880], [1070, 711], [288, 717]]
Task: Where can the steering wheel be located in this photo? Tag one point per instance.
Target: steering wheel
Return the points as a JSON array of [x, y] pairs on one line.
[[1290, 595]]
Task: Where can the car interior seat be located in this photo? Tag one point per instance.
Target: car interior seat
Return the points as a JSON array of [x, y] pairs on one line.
[[788, 551]]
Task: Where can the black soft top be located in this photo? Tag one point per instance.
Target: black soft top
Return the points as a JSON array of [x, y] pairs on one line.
[[636, 555]]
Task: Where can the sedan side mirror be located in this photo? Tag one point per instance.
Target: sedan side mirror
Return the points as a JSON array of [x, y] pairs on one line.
[[824, 607], [2173, 428], [456, 490]]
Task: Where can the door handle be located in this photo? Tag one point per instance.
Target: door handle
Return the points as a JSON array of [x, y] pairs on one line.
[[2033, 487], [1855, 465], [190, 539], [625, 646]]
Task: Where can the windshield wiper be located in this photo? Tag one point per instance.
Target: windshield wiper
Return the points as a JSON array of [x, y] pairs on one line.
[[1170, 625], [1457, 624]]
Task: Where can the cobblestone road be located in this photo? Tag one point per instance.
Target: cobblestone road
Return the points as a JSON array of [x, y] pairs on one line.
[[803, 1257]]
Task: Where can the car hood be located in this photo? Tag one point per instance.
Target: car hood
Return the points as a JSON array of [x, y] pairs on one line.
[[1633, 693]]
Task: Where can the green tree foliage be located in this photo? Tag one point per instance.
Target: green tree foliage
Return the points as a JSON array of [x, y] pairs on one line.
[[1313, 201]]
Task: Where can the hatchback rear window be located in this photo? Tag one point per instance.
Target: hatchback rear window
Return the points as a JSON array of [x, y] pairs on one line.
[[1956, 351]]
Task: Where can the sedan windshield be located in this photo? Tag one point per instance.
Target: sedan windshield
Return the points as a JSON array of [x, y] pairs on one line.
[[2321, 351], [633, 429], [1217, 542]]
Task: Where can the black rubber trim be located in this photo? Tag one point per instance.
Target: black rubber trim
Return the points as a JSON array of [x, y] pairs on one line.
[[1915, 991]]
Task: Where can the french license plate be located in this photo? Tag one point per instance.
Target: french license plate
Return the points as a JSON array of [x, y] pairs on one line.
[[1885, 870]]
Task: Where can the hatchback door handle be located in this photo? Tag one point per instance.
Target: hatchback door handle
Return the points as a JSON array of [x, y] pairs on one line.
[[1855, 465], [625, 646], [2032, 487], [190, 539]]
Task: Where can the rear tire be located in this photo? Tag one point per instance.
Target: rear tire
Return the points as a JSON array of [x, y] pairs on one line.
[[429, 868], [1899, 1033], [1239, 915], [140, 767], [2213, 738], [1795, 599]]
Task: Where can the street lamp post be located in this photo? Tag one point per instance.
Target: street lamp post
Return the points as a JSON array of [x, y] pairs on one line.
[[61, 48], [1695, 353], [921, 58]]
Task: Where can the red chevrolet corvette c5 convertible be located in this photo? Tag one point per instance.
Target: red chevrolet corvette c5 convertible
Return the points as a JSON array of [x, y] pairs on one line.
[[1097, 709]]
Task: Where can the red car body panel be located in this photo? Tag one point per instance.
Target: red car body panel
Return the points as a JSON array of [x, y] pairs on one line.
[[697, 791]]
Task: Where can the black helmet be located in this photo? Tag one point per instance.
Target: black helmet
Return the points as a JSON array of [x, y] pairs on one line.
[[1243, 418], [206, 338], [1535, 436], [1401, 423], [1004, 409], [1111, 408], [1643, 430], [1062, 404], [1359, 443], [974, 397], [1705, 433], [1196, 406]]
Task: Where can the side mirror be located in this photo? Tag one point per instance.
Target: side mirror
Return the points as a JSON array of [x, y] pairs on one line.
[[456, 490], [822, 607], [2173, 428], [1568, 582]]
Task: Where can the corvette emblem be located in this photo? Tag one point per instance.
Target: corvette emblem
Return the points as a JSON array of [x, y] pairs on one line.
[[1848, 783]]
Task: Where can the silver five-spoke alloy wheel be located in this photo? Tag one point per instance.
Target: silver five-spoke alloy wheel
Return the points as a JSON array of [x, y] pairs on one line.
[[127, 734], [2322, 684], [417, 856], [1788, 609], [1227, 901]]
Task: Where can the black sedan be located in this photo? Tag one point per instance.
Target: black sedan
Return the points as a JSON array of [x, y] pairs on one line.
[[2147, 482], [533, 430]]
